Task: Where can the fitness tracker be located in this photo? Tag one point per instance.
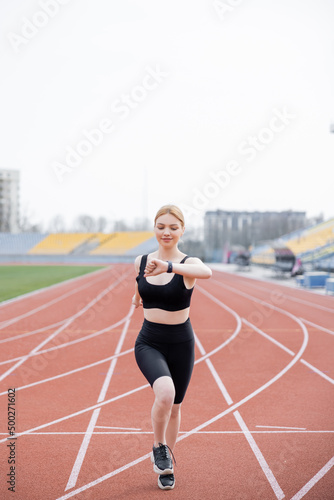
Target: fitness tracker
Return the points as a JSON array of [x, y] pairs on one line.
[[170, 266]]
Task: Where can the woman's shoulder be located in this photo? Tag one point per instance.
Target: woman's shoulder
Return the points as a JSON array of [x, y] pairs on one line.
[[192, 260], [137, 263]]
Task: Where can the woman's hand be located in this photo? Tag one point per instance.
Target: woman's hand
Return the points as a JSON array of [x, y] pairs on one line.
[[136, 301], [155, 267]]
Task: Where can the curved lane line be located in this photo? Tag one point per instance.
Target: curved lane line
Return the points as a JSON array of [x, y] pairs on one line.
[[318, 326], [71, 372], [61, 328], [281, 346], [71, 342], [27, 334], [283, 287]]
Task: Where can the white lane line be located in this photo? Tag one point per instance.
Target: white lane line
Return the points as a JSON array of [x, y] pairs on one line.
[[260, 458], [215, 375], [82, 451], [238, 292], [132, 432], [254, 393], [118, 428], [76, 370], [8, 322], [71, 342], [285, 290], [313, 368], [251, 441], [259, 301], [233, 313], [27, 334], [280, 427], [80, 412], [55, 285], [61, 328], [319, 475], [318, 326], [265, 335], [103, 478], [85, 443]]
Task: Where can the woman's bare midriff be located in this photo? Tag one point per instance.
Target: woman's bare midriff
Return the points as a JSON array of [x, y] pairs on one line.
[[168, 317]]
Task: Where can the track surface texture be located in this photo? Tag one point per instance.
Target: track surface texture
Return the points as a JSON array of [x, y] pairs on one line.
[[257, 420]]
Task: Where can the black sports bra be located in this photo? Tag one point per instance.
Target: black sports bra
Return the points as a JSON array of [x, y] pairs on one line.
[[173, 296]]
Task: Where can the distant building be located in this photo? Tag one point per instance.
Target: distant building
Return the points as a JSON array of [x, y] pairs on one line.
[[224, 229], [9, 201]]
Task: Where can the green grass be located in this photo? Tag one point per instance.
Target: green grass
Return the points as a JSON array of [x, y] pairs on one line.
[[16, 280]]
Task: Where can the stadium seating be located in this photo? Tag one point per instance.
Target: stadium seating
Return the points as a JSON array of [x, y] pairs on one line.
[[314, 245], [312, 238], [263, 255], [122, 243], [19, 244], [60, 243], [126, 243]]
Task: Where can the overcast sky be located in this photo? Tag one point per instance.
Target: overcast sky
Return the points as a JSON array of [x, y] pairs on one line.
[[113, 108]]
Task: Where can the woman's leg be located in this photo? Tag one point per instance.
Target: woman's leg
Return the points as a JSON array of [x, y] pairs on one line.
[[164, 392], [181, 367], [173, 426]]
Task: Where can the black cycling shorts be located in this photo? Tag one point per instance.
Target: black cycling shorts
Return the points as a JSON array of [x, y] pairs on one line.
[[167, 350]]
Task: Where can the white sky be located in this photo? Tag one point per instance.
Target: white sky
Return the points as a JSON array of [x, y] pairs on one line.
[[225, 77]]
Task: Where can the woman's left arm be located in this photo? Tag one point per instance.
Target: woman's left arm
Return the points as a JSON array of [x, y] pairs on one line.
[[193, 268]]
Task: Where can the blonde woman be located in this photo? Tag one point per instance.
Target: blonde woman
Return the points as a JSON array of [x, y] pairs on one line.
[[164, 348]]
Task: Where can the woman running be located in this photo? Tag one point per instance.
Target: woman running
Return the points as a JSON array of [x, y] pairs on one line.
[[164, 348]]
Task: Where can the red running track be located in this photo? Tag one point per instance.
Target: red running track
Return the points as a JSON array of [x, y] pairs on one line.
[[257, 420]]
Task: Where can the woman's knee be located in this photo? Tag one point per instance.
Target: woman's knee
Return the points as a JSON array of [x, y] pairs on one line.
[[164, 391]]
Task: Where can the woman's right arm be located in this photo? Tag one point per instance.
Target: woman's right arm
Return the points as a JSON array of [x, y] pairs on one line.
[[136, 299]]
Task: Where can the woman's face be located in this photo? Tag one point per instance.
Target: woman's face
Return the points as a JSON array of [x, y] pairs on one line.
[[168, 230]]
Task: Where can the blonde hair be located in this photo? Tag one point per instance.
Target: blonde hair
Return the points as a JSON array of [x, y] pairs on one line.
[[170, 209]]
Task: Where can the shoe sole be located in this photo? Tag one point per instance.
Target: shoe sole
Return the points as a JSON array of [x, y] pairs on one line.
[[162, 487], [159, 471], [162, 472]]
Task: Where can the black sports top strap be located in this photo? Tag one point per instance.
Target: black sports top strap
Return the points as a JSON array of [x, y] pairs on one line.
[[142, 264], [184, 259]]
